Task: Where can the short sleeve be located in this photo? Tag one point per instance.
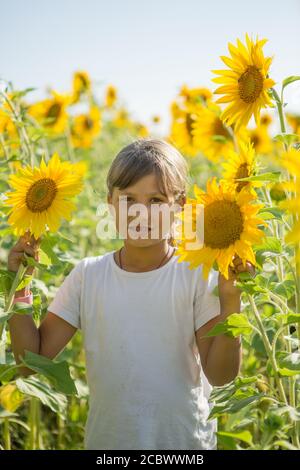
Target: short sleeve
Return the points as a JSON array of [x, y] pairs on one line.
[[206, 301], [66, 303]]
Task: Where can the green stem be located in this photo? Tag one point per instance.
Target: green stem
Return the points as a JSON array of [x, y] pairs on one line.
[[22, 131], [33, 423], [279, 105], [18, 277], [268, 348], [6, 434], [69, 143]]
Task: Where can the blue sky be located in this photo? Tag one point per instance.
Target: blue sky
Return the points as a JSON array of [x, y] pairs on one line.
[[148, 49]]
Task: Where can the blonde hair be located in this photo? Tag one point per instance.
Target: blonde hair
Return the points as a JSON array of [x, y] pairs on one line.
[[145, 156]]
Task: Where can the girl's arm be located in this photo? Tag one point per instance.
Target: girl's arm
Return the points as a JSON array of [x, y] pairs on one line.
[[52, 335], [221, 356], [48, 339]]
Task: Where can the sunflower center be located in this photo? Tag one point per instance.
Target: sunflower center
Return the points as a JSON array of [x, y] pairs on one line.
[[188, 123], [255, 140], [88, 123], [223, 224], [220, 129], [54, 111], [242, 172], [250, 84], [41, 195], [83, 80]]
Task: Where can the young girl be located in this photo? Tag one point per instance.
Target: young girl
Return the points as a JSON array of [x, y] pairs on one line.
[[143, 317]]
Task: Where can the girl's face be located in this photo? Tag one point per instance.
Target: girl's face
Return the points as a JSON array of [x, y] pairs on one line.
[[144, 215]]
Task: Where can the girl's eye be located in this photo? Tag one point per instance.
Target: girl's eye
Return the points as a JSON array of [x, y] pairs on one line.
[[156, 200], [126, 198]]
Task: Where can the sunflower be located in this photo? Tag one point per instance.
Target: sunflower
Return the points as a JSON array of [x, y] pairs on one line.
[[85, 128], [195, 95], [211, 136], [81, 85], [290, 160], [40, 196], [8, 130], [230, 227], [141, 130], [121, 119], [51, 113], [182, 130], [156, 119], [175, 110], [294, 122], [260, 139], [240, 164], [265, 120], [246, 84], [111, 96]]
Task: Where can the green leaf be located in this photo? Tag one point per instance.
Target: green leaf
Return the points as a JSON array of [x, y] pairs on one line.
[[267, 213], [270, 245], [285, 289], [22, 308], [19, 94], [287, 138], [47, 247], [291, 318], [232, 406], [235, 325], [272, 176], [244, 436], [289, 363], [34, 387], [226, 391], [7, 372], [57, 372], [219, 138], [6, 279], [24, 282], [288, 80], [6, 414], [293, 413]]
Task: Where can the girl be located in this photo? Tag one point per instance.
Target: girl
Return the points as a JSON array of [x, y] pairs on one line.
[[143, 317]]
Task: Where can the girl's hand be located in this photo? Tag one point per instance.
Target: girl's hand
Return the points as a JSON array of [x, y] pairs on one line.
[[26, 244], [227, 287]]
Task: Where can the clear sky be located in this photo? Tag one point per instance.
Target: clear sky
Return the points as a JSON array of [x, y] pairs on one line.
[[148, 49]]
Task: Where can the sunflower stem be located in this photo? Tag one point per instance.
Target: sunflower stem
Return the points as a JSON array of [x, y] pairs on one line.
[[6, 434], [279, 105], [8, 305], [69, 143], [269, 349], [21, 130]]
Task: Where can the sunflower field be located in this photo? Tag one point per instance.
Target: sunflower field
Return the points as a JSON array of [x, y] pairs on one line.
[[243, 152]]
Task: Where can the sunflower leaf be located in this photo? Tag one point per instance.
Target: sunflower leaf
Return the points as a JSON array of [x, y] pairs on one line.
[[235, 325], [286, 138], [269, 245], [271, 176], [57, 372], [34, 387], [244, 436], [288, 80], [289, 363]]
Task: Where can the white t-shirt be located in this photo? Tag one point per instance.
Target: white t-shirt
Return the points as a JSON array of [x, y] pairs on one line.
[[142, 362]]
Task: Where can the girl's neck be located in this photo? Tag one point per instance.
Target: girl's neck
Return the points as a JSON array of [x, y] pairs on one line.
[[141, 259]]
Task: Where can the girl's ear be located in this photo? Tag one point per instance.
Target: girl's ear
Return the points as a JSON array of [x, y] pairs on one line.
[[182, 200]]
